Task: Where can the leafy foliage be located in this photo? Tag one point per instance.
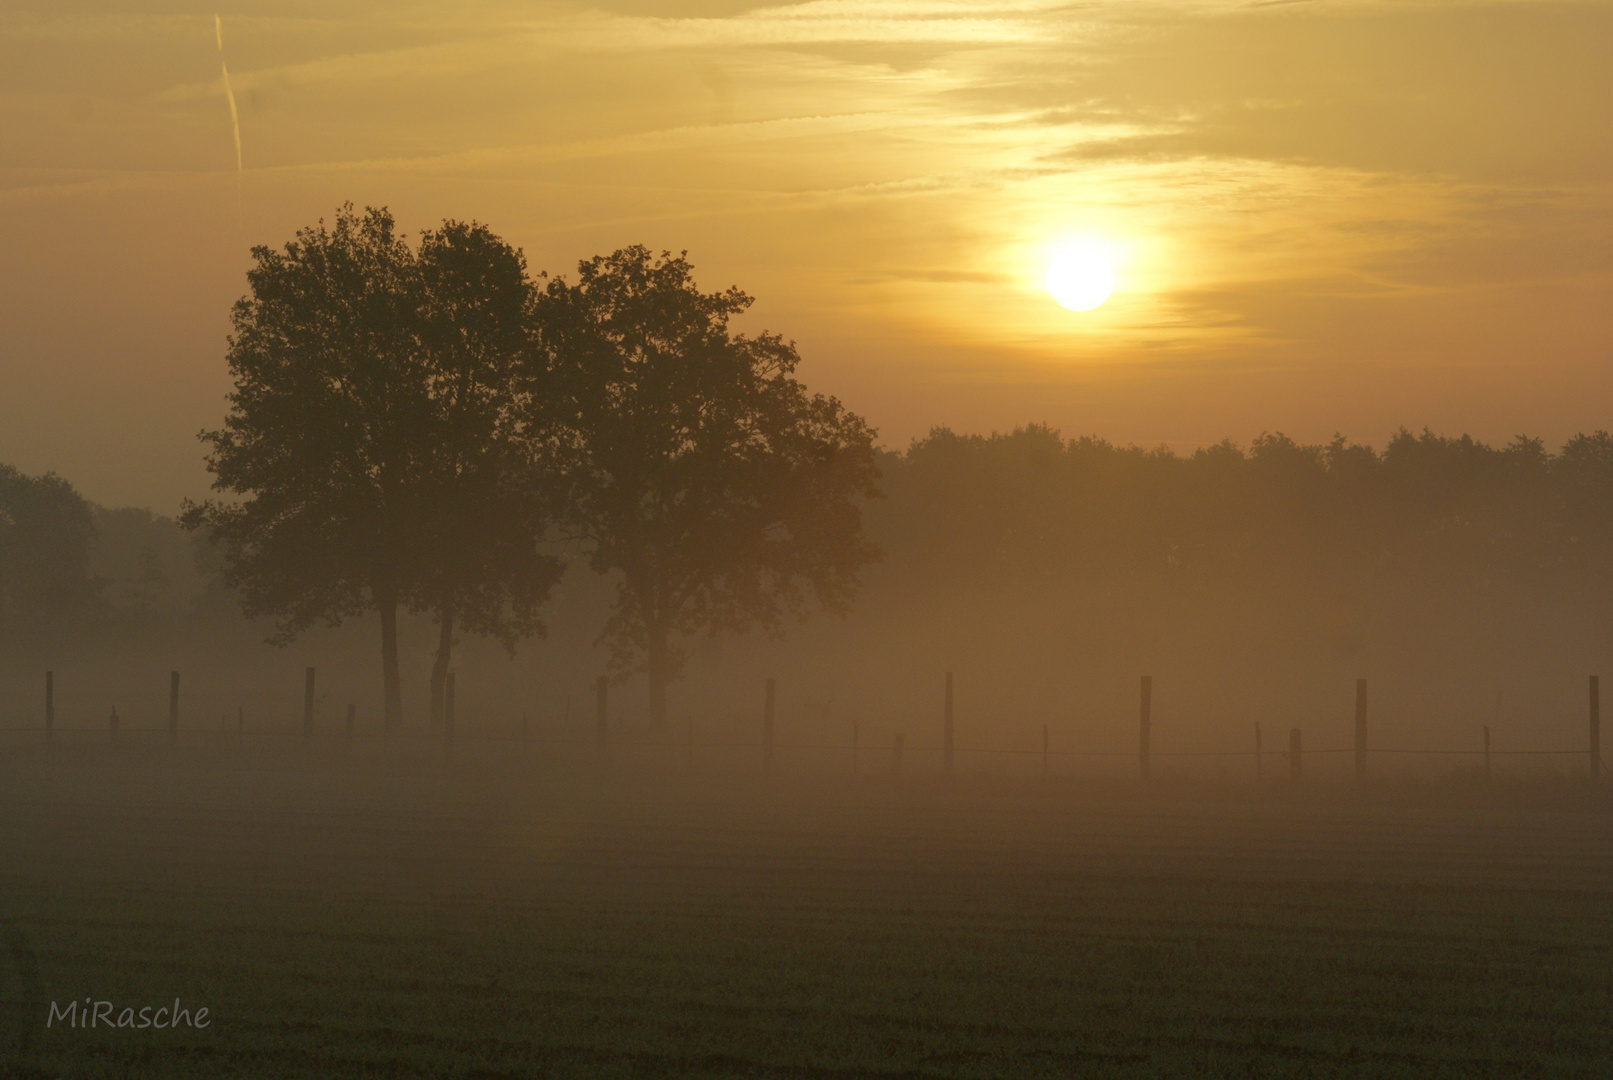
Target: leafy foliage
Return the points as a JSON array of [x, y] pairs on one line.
[[488, 489], [1291, 549], [374, 433], [723, 493], [46, 531], [329, 408]]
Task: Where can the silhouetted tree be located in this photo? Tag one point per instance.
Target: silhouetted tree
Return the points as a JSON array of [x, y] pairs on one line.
[[705, 475], [46, 529], [329, 410], [371, 434], [490, 485]]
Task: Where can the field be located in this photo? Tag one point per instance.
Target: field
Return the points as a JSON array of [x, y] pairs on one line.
[[548, 914]]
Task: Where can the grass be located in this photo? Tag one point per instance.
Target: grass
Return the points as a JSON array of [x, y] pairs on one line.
[[514, 916]]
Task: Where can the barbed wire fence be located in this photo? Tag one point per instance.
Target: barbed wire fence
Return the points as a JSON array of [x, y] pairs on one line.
[[307, 731]]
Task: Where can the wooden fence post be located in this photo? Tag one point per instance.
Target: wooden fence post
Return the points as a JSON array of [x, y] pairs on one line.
[[896, 754], [946, 731], [1360, 729], [173, 706], [767, 728], [1293, 754], [1259, 758], [603, 725], [352, 722], [50, 707], [1144, 725], [308, 706], [1044, 749], [1596, 729], [1486, 751]]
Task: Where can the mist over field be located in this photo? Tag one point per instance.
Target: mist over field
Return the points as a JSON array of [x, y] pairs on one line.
[[1016, 754], [1254, 583]]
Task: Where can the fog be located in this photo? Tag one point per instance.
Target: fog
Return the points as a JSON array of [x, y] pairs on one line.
[[1254, 584], [511, 892]]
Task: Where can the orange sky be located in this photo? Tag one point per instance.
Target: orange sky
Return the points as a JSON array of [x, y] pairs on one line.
[[1337, 215]]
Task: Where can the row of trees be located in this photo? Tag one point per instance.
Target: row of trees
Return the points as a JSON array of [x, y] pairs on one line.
[[1031, 502], [422, 427], [1026, 553], [1444, 548]]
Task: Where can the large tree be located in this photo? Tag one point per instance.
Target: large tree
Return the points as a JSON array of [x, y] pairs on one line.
[[358, 437], [490, 490], [722, 492]]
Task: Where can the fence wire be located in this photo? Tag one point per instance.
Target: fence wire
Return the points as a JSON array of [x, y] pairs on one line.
[[327, 733]]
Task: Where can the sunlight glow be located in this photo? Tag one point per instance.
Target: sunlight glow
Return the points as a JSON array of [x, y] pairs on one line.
[[1079, 276]]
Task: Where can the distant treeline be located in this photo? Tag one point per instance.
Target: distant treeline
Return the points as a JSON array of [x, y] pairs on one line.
[[1447, 512], [75, 573], [1312, 537], [430, 430]]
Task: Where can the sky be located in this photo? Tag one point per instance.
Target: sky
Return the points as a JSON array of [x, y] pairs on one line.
[[1321, 215]]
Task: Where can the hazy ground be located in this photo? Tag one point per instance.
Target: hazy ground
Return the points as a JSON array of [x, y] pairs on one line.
[[535, 912]]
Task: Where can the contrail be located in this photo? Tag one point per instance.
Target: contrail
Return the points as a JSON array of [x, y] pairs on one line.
[[235, 117]]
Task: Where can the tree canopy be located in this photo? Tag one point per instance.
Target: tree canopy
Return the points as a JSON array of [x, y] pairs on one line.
[[722, 492], [1332, 547], [490, 487], [370, 435]]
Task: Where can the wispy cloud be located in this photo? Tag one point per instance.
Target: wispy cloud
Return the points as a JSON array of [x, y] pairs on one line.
[[916, 155], [229, 94]]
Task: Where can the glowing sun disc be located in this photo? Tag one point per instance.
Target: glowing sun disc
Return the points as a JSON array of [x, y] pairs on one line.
[[1080, 278]]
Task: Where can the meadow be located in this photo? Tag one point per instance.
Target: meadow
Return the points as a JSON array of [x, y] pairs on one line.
[[548, 912]]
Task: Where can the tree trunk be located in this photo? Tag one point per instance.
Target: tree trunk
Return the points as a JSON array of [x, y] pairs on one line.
[[386, 602], [658, 669], [445, 652]]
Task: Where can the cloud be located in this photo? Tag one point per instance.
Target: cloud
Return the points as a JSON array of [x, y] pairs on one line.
[[912, 154]]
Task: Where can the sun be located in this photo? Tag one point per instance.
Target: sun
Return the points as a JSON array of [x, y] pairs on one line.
[[1079, 277]]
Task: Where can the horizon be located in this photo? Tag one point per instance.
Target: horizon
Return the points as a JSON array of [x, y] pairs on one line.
[[1178, 452], [1326, 217]]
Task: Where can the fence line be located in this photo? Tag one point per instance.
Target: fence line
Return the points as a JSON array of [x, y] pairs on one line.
[[417, 734], [446, 734]]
